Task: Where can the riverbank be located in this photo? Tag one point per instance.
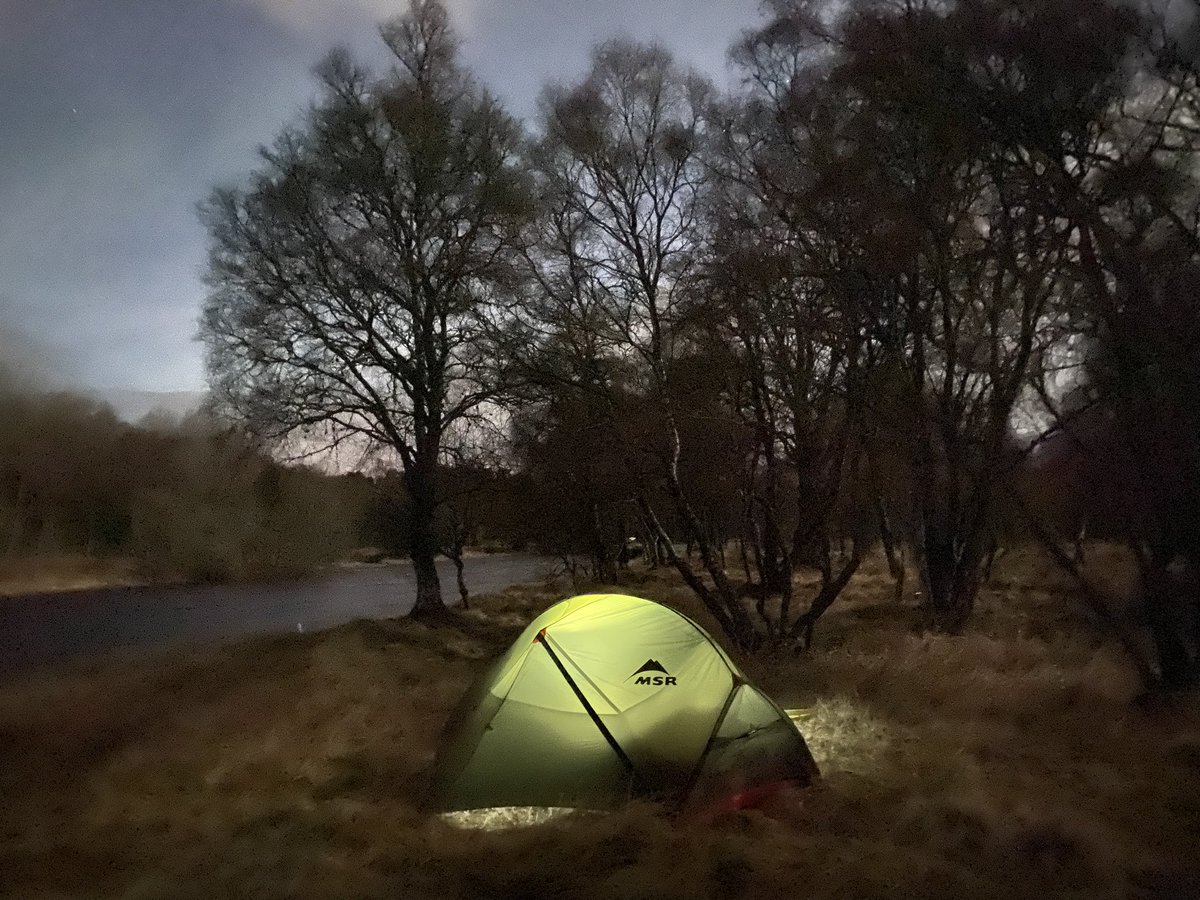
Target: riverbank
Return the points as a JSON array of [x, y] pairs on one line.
[[62, 573], [48, 629], [1008, 762], [69, 572]]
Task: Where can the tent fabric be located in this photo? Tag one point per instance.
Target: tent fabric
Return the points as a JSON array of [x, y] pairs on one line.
[[604, 697]]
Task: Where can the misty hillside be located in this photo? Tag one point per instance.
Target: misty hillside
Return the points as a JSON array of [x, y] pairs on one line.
[[133, 406]]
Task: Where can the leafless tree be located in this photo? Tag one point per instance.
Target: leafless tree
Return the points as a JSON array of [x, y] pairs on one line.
[[1132, 198], [349, 279], [886, 145], [620, 160]]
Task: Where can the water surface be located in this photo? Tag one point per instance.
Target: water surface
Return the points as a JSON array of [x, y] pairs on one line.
[[49, 628]]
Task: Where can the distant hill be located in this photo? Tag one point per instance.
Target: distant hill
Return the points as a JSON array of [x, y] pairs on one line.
[[133, 406]]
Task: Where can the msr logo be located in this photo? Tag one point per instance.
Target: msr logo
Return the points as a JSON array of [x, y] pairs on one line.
[[652, 665]]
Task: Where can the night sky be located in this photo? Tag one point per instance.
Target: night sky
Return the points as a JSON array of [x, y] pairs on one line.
[[118, 116]]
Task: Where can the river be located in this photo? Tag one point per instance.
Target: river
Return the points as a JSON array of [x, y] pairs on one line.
[[49, 628]]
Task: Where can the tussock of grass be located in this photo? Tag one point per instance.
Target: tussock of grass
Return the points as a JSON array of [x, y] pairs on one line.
[[1007, 762]]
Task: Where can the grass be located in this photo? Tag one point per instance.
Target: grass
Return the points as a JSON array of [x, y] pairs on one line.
[[1010, 761]]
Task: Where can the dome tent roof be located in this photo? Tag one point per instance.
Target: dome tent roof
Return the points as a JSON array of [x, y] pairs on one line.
[[605, 697]]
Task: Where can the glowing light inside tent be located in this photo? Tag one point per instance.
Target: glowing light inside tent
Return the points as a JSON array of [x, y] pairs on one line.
[[502, 818]]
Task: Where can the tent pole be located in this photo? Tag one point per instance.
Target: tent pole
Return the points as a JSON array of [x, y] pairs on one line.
[[695, 776], [608, 736]]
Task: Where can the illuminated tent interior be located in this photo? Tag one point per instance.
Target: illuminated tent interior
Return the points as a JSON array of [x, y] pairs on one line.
[[606, 697]]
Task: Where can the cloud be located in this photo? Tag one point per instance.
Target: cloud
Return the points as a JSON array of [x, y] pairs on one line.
[[307, 16], [102, 160], [11, 24], [119, 116]]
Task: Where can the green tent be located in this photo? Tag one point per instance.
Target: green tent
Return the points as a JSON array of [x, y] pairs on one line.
[[606, 697]]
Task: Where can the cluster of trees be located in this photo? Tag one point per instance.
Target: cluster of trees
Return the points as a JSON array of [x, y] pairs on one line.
[[186, 500], [200, 498], [804, 316]]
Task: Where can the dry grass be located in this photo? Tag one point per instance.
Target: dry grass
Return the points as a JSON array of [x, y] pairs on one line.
[[59, 572], [1007, 762]]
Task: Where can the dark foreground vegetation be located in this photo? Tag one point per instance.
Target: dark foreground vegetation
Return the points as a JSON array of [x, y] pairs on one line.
[[1013, 760]]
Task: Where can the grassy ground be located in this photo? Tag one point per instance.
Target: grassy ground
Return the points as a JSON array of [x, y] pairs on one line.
[[1007, 762]]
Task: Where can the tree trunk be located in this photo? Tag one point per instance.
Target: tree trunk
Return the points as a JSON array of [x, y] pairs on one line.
[[1163, 617], [831, 587], [721, 602], [462, 581], [422, 544], [953, 565], [650, 549], [429, 587], [605, 565], [890, 548], [455, 552]]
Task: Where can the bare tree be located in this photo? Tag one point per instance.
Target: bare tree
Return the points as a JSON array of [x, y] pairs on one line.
[[349, 278], [1133, 200], [620, 160], [793, 358], [907, 128]]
